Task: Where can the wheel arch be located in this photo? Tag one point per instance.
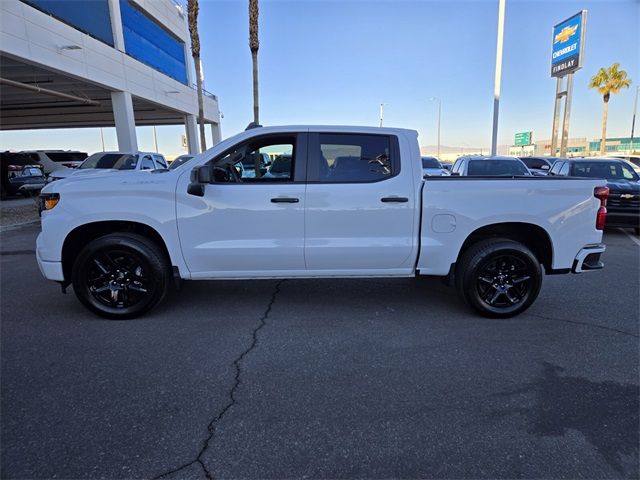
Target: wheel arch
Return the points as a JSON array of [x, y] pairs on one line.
[[533, 236], [80, 236]]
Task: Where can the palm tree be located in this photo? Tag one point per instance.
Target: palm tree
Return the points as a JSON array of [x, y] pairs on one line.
[[193, 8], [254, 44], [607, 81]]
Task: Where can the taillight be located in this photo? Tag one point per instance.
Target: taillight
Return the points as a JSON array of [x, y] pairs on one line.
[[601, 193]]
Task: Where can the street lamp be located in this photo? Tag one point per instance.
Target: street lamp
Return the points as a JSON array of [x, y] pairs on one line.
[[439, 117], [382, 112]]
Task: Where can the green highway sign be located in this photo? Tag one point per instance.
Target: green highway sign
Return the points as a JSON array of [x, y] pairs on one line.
[[523, 138]]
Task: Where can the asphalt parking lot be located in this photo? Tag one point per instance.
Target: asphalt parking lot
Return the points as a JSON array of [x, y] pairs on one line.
[[321, 379]]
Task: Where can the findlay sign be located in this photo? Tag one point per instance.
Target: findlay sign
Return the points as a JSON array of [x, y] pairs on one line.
[[568, 44]]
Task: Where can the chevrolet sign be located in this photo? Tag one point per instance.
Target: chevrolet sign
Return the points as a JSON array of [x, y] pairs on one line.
[[568, 43]]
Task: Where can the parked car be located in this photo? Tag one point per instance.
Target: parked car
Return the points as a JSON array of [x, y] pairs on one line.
[[484, 166], [431, 167], [538, 165], [369, 217], [114, 161], [180, 160], [633, 160], [623, 204], [28, 182], [52, 160]]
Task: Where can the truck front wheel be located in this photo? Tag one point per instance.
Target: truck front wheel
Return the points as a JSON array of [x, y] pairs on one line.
[[120, 276], [498, 278]]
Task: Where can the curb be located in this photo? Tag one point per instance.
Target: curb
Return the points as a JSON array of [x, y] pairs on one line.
[[16, 225]]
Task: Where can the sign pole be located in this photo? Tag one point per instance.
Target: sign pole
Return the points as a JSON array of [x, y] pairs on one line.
[[556, 117], [567, 113]]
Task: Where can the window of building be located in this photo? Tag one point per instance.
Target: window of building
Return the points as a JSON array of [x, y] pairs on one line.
[[92, 18], [350, 158], [147, 41]]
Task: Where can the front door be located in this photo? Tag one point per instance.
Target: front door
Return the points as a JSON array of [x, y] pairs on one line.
[[247, 224]]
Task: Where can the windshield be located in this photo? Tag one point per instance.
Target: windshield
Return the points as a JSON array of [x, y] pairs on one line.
[[507, 168], [430, 162], [179, 161], [117, 161], [607, 170]]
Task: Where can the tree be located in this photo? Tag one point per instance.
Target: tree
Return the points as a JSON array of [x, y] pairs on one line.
[[254, 44], [193, 8], [607, 81]]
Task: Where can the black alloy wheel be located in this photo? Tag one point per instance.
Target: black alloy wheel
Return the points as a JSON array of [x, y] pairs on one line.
[[120, 276], [498, 278]]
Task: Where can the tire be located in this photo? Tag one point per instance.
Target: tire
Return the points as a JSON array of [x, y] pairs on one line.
[[120, 276], [498, 278]]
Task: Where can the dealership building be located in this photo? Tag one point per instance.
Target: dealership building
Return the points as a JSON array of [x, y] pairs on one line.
[[99, 63], [578, 147]]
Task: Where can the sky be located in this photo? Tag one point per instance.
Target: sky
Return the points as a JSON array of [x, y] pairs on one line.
[[334, 62]]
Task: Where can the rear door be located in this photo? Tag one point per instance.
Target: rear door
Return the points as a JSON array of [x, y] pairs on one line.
[[360, 205]]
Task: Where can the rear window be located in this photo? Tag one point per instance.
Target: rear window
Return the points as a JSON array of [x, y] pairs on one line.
[[430, 162], [496, 167], [607, 170], [66, 156], [118, 161]]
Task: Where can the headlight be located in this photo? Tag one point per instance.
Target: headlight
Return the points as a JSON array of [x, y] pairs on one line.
[[48, 201]]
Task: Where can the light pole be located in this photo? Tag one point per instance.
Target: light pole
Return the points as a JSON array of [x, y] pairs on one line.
[[498, 77], [439, 118], [382, 112], [633, 119]]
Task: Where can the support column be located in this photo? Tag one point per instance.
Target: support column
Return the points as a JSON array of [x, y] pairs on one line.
[[116, 25], [191, 127], [125, 121], [215, 133]]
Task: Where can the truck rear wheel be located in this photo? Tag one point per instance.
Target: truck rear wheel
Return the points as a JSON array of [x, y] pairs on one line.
[[498, 278], [120, 276]]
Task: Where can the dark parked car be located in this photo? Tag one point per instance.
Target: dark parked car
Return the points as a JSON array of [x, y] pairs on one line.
[[538, 166], [431, 167], [27, 183], [180, 160], [484, 166], [623, 204]]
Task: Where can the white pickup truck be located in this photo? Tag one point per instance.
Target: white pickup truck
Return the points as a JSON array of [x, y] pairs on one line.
[[344, 202]]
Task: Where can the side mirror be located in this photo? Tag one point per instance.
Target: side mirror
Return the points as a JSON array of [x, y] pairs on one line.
[[200, 176]]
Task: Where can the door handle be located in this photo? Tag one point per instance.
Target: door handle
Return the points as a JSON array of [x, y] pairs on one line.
[[285, 200], [394, 199]]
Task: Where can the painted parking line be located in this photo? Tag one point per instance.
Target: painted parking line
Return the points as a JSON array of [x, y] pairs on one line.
[[632, 237]]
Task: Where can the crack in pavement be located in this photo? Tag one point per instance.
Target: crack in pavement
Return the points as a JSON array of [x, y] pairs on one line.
[[18, 252], [576, 322], [211, 427]]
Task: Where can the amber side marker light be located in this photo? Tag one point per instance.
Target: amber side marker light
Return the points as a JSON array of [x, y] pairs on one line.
[[48, 201]]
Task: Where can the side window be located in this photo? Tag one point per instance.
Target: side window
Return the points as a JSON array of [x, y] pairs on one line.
[[564, 171], [350, 158], [160, 161], [555, 169], [456, 166], [147, 163], [247, 163]]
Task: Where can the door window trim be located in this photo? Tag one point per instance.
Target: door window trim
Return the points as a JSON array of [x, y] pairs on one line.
[[314, 146]]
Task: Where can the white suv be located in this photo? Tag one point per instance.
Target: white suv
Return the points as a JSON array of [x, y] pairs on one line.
[[114, 161]]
